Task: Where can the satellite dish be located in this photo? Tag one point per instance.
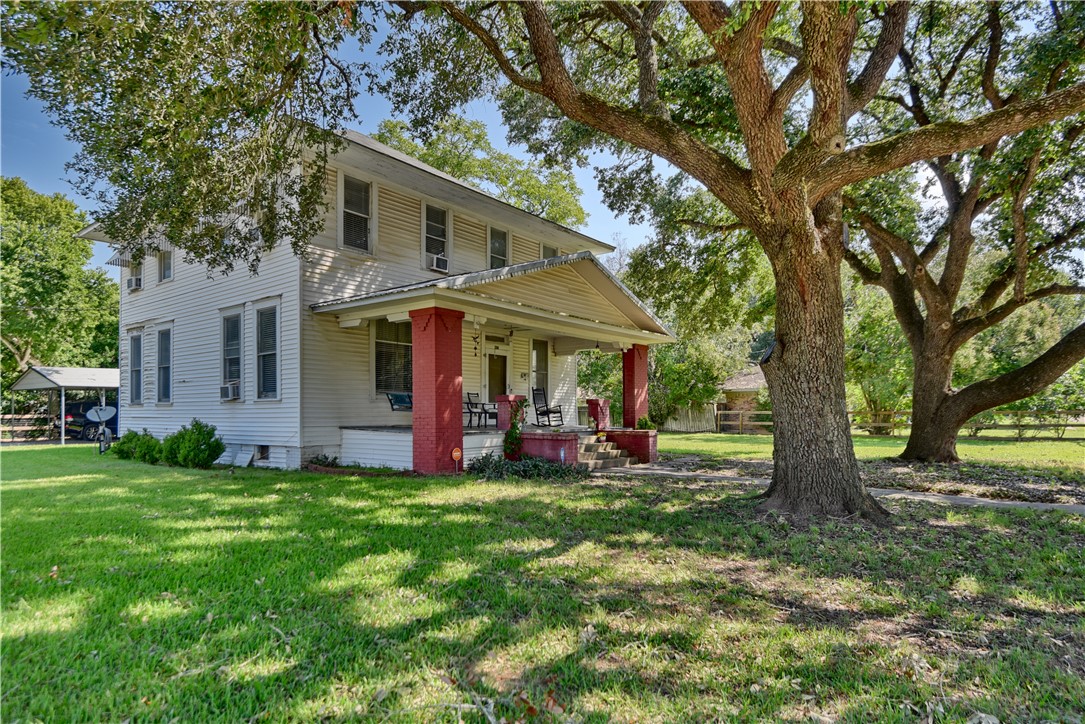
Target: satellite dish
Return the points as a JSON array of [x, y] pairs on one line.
[[101, 414]]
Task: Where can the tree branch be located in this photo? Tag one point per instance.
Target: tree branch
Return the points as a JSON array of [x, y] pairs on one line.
[[890, 39], [975, 325], [939, 139], [1023, 381]]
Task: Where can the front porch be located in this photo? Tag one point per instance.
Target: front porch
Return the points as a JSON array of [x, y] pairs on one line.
[[393, 447], [506, 332]]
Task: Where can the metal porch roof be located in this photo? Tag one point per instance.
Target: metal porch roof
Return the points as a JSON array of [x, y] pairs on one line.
[[50, 378]]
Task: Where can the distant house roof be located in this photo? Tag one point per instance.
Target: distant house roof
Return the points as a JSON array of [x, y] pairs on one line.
[[752, 379], [52, 378]]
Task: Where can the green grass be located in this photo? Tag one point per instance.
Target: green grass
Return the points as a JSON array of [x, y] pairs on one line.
[[1057, 453], [148, 593]]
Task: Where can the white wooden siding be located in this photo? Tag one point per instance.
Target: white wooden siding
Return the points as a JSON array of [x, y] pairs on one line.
[[478, 444], [378, 448], [190, 302]]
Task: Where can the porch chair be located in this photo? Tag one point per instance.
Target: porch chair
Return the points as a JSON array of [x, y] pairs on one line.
[[400, 401], [484, 411], [544, 410]]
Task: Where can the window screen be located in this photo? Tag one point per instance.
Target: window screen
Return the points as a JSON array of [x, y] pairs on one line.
[[231, 348], [392, 356], [135, 369], [499, 248], [436, 231], [165, 265], [540, 363], [356, 213], [267, 353], [165, 365]]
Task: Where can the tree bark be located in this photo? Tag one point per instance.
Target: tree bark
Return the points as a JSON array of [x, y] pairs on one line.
[[933, 437], [815, 472]]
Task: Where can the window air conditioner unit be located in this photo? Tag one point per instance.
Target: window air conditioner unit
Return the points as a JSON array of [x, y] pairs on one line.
[[230, 391], [438, 262], [135, 283]]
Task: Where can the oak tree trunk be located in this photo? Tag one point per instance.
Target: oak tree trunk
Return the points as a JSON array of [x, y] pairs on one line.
[[815, 472], [933, 436]]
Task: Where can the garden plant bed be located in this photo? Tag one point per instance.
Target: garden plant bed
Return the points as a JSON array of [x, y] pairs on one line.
[[152, 593]]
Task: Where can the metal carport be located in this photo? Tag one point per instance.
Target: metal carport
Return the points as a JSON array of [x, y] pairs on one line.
[[69, 378]]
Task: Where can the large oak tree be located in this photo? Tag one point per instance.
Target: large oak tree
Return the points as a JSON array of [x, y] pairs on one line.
[[1009, 222], [752, 100]]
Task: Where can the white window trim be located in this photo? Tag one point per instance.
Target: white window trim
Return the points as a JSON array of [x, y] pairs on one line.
[[258, 307], [142, 367], [508, 245], [340, 208], [555, 247], [158, 263], [238, 311], [164, 327], [449, 248]]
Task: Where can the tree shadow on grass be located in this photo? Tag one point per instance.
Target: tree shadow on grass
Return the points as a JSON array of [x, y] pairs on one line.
[[286, 595]]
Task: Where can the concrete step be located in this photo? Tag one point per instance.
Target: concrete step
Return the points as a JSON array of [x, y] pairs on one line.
[[595, 446], [622, 462], [601, 454]]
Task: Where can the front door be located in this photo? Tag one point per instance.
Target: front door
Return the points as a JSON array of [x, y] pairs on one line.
[[497, 375]]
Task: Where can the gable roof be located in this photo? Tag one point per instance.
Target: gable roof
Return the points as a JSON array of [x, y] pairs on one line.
[[593, 272], [50, 378], [433, 182]]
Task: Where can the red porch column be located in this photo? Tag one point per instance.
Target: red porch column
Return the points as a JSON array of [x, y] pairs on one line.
[[634, 384], [437, 386]]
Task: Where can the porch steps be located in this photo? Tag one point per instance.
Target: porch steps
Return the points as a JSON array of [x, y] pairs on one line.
[[602, 455]]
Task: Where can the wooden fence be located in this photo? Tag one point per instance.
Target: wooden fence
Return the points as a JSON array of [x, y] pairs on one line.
[[24, 427], [1021, 422]]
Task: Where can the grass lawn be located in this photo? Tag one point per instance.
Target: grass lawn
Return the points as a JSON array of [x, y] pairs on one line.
[[1041, 453], [148, 593]]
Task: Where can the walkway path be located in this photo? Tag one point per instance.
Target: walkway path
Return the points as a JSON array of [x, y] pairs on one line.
[[662, 470]]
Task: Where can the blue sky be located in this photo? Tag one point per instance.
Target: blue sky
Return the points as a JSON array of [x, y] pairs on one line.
[[36, 150]]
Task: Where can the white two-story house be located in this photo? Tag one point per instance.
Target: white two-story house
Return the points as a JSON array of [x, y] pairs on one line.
[[418, 283]]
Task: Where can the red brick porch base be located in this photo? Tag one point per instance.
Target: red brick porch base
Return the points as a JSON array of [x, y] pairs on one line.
[[550, 444], [639, 443]]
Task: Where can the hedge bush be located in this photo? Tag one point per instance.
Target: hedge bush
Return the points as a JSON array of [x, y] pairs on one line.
[[193, 446], [141, 446], [492, 466]]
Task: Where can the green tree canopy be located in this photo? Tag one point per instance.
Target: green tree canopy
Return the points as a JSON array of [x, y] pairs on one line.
[[55, 311], [462, 148]]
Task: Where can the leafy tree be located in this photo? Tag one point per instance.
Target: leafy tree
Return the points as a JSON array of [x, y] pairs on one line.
[[55, 311], [877, 359], [462, 148], [1000, 238], [752, 101]]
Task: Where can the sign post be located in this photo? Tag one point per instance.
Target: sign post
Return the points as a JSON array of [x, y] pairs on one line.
[[457, 455]]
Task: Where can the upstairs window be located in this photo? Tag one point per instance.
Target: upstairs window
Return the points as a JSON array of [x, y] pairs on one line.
[[392, 356], [165, 265], [357, 214], [231, 349], [135, 369], [165, 365], [549, 252], [267, 353], [436, 236], [499, 248]]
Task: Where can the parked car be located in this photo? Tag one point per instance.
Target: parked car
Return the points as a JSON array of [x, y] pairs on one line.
[[78, 426]]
